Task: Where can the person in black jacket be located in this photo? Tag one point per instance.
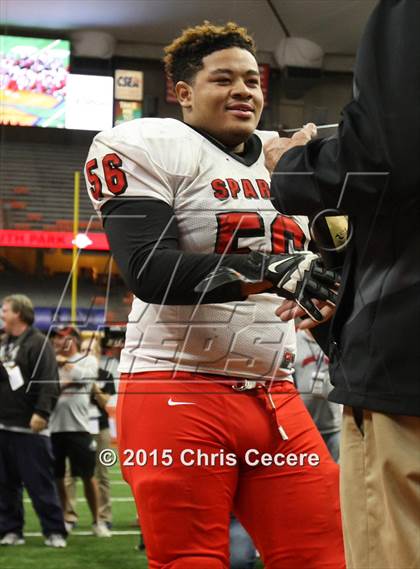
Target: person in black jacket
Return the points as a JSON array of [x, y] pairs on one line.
[[371, 172], [28, 394]]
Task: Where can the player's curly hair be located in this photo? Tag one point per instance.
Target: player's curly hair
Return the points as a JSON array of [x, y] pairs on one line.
[[184, 56]]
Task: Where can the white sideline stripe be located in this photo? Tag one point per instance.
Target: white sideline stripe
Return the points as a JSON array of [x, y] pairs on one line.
[[127, 499], [114, 532]]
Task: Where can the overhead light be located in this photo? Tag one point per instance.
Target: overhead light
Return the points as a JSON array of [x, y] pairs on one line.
[[82, 241], [299, 52], [93, 43]]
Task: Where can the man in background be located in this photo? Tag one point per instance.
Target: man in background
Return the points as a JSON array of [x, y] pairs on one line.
[[102, 390], [28, 394], [70, 421]]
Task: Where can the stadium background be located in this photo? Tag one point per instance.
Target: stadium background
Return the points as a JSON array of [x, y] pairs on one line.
[[38, 166]]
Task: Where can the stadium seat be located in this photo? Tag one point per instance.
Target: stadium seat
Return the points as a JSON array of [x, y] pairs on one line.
[[34, 216], [22, 226], [20, 191], [64, 224], [96, 225], [14, 204]]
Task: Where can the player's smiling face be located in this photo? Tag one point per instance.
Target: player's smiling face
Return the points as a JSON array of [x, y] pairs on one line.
[[225, 97]]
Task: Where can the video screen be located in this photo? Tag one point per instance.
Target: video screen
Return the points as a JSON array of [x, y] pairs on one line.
[[33, 78]]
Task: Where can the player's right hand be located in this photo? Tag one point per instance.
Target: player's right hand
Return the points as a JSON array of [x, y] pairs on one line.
[[298, 276], [302, 278]]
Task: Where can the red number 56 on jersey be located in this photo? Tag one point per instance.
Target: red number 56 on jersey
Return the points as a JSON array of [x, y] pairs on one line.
[[115, 178], [286, 235]]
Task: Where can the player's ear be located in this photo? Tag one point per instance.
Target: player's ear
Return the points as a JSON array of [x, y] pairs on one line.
[[183, 93]]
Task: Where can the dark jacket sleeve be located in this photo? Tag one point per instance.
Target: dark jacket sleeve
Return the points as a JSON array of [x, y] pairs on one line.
[[143, 238], [3, 373], [321, 333], [379, 135], [45, 381]]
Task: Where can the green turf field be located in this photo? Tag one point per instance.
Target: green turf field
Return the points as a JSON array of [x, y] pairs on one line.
[[117, 552]]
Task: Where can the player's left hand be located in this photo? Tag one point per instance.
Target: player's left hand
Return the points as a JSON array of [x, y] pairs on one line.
[[290, 310], [275, 147]]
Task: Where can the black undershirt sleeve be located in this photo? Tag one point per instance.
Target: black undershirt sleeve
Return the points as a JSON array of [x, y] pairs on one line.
[[143, 237]]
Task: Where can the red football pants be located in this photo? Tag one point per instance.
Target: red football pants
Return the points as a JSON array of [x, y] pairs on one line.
[[291, 511]]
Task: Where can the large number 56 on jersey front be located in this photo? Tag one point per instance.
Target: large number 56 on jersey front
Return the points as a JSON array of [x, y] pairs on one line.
[[285, 234], [115, 178]]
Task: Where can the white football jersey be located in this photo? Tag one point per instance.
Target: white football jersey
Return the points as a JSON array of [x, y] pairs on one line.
[[221, 204]]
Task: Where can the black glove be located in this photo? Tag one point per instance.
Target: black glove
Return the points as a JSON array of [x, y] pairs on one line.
[[298, 276], [302, 278]]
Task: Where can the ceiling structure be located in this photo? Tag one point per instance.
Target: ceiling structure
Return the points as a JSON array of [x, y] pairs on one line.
[[336, 25]]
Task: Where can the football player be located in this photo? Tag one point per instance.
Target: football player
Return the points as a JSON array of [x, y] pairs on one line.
[[206, 387]]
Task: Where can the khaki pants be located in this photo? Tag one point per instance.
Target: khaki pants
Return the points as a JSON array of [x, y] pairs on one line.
[[103, 440], [380, 490]]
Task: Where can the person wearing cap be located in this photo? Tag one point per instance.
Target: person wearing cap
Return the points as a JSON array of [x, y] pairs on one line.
[[28, 393], [71, 438], [102, 390]]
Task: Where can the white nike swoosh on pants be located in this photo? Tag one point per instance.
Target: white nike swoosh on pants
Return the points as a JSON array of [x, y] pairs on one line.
[[172, 403]]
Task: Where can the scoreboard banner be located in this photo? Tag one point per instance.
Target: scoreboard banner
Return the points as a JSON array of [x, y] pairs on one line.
[[128, 85], [53, 240]]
